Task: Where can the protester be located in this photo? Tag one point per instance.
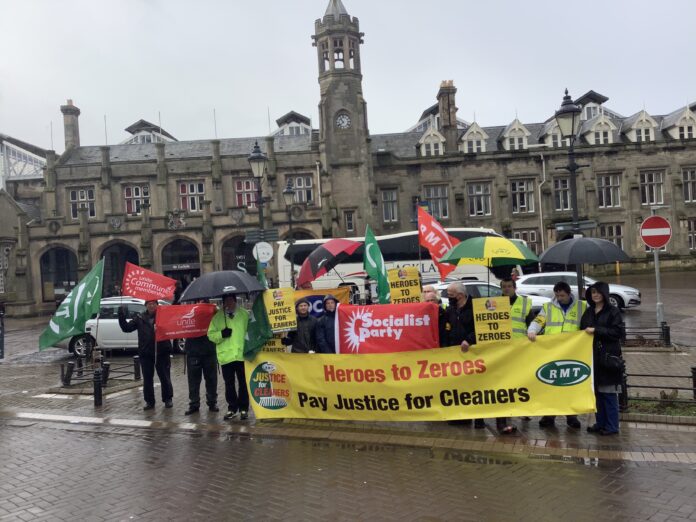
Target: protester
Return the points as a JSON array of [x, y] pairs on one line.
[[515, 275], [561, 315], [326, 329], [201, 362], [430, 296], [604, 321], [303, 339], [154, 356], [462, 329], [227, 331]]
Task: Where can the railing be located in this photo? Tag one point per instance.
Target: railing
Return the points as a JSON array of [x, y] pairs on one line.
[[624, 397], [635, 335], [98, 372]]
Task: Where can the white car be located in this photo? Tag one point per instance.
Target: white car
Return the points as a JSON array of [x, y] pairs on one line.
[[105, 329], [483, 289], [542, 284]]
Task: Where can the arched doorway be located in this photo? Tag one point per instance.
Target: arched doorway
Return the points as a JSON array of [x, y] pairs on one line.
[[58, 273], [181, 261], [237, 255], [115, 258]]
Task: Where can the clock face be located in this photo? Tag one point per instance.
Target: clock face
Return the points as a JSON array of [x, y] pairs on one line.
[[343, 121]]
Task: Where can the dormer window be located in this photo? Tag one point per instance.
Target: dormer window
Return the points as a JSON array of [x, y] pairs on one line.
[[591, 111], [474, 140], [474, 146], [516, 143], [601, 137], [432, 143], [515, 136], [557, 140], [686, 132], [644, 134]]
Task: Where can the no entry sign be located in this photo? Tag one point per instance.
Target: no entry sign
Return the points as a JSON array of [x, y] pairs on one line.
[[656, 232]]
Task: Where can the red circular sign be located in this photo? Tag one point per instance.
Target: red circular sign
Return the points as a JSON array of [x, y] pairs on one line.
[[656, 232]]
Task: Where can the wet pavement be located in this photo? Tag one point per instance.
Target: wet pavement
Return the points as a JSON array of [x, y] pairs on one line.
[[63, 459]]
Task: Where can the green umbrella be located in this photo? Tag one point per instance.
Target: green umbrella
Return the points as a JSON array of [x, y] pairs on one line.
[[489, 251]]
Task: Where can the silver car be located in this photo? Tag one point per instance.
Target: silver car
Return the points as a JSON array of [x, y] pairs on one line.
[[484, 289], [542, 284]]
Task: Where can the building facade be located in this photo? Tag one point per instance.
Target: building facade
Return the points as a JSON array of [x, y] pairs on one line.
[[184, 207]]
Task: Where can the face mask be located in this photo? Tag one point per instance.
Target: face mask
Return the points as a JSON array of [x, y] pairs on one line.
[[451, 301]]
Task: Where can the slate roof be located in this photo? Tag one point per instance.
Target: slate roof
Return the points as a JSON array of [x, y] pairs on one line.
[[144, 125], [671, 119], [402, 144], [31, 210], [292, 116], [186, 149]]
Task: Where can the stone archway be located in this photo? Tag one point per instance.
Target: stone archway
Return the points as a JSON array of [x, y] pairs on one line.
[[237, 255], [115, 257], [58, 266], [181, 261]]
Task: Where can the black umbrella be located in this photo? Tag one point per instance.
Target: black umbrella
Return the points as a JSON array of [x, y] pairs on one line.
[[581, 250], [217, 284]]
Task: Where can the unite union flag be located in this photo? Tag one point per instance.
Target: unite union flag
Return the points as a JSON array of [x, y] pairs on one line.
[[144, 284]]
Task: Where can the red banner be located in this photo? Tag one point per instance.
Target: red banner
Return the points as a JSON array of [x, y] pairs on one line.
[[386, 328], [183, 321], [433, 236], [143, 284]]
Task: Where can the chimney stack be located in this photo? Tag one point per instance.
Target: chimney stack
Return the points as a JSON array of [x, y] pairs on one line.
[[448, 114], [71, 125]]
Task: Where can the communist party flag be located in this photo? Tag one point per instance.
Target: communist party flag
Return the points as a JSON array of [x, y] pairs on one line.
[[432, 235], [141, 283]]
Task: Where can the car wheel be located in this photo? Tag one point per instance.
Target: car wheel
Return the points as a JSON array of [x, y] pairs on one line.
[[82, 345], [616, 301]]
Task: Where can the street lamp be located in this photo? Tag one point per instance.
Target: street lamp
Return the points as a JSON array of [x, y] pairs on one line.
[[568, 120], [289, 197], [258, 161]]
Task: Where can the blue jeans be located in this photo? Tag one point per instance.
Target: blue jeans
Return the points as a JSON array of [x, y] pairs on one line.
[[608, 411]]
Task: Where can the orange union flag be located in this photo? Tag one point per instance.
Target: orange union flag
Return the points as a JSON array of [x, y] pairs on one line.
[[183, 321], [433, 236], [387, 328], [144, 284]]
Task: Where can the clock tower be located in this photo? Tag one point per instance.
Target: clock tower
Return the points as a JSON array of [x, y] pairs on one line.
[[344, 137]]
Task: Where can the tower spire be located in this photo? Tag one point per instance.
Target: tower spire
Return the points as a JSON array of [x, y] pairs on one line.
[[335, 9]]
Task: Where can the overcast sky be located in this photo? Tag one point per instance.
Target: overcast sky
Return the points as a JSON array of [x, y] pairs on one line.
[[130, 59]]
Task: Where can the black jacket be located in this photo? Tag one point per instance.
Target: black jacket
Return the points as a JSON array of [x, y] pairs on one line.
[[200, 347], [303, 339], [461, 324], [609, 330], [326, 329], [145, 324]]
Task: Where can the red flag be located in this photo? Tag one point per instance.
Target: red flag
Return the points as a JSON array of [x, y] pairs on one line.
[[387, 328], [183, 321], [143, 284], [435, 238]]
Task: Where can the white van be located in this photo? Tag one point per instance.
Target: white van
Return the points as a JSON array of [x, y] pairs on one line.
[[398, 250]]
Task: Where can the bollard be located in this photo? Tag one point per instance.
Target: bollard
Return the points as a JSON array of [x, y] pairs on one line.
[[666, 334], [68, 373], [97, 387], [105, 372], [693, 379], [136, 368], [623, 396]]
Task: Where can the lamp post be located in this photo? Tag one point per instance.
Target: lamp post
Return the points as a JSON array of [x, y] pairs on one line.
[[289, 197], [258, 161], [568, 120]]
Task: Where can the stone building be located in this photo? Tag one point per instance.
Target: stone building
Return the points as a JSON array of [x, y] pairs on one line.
[[184, 207]]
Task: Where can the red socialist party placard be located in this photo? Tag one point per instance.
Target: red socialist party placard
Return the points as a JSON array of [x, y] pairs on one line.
[[144, 284], [387, 328], [183, 321]]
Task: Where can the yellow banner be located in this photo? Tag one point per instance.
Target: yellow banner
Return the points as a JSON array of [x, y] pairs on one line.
[[404, 285], [492, 318], [280, 308], [274, 345], [552, 376]]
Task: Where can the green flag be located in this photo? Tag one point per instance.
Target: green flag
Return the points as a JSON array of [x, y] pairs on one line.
[[259, 329], [373, 262], [81, 303]]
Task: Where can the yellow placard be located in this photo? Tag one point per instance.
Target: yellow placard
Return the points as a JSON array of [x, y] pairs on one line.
[[552, 376], [404, 285], [280, 307], [492, 318], [274, 345]]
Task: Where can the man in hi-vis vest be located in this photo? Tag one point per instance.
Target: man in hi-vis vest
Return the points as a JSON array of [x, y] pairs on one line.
[[521, 315], [561, 315]]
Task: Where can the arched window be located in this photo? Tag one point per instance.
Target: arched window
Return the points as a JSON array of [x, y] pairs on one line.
[[58, 273]]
